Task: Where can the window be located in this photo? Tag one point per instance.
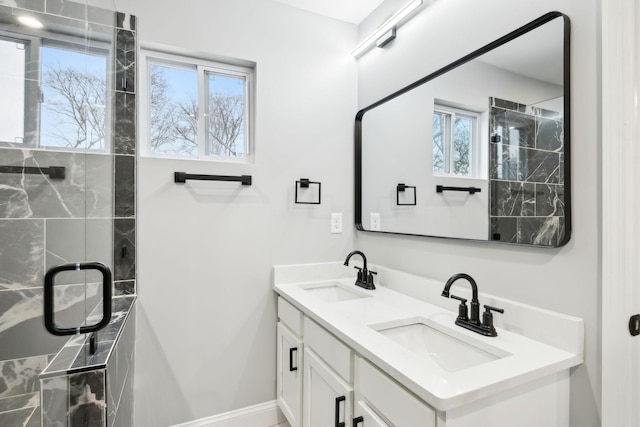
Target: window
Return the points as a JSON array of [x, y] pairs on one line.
[[196, 108], [455, 141], [58, 104], [73, 98]]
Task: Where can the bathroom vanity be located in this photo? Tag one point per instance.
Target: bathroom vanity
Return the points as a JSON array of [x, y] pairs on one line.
[[393, 356]]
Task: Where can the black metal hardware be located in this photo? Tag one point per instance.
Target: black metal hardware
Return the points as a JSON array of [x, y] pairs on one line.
[[472, 323], [54, 172], [359, 278], [305, 183], [338, 400], [487, 319], [123, 252], [49, 284], [634, 325], [401, 188], [470, 190], [365, 277], [92, 344], [357, 420], [182, 177], [291, 367], [463, 313]]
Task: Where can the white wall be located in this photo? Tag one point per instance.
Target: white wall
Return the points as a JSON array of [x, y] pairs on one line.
[[206, 313], [563, 279]]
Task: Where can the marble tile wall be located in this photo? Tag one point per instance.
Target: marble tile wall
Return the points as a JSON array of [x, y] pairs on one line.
[[526, 174], [88, 215], [101, 397]]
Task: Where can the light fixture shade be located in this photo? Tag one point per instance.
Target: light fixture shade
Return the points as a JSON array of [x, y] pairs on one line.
[[386, 27]]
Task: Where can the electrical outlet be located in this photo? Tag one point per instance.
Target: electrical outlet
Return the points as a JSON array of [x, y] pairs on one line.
[[336, 223], [374, 221]]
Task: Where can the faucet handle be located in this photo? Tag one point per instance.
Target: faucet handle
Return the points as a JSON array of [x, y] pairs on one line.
[[487, 318], [370, 277], [489, 309], [463, 313], [359, 272]]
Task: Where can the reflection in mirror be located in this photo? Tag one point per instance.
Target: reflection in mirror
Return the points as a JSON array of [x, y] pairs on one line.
[[483, 140]]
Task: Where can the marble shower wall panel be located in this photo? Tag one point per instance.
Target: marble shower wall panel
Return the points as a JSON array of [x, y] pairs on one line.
[[125, 58], [526, 174], [20, 376], [21, 253], [73, 240], [35, 5], [124, 249], [87, 402], [79, 11], [120, 378], [55, 401], [125, 186], [125, 132], [21, 317], [79, 194]]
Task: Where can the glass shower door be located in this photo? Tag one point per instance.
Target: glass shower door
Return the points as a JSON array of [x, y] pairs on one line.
[[56, 204]]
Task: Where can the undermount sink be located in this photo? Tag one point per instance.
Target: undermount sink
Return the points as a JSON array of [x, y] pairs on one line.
[[333, 291], [450, 350]]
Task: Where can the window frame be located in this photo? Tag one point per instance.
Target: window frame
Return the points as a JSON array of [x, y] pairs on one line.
[[95, 48], [33, 83], [474, 149], [153, 56]]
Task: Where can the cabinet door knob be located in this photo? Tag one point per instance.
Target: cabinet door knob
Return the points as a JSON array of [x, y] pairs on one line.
[[291, 367], [358, 420], [338, 400]]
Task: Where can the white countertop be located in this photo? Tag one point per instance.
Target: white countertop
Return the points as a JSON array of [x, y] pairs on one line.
[[350, 321]]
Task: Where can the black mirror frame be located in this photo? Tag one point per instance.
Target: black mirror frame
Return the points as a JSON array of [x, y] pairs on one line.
[[493, 45]]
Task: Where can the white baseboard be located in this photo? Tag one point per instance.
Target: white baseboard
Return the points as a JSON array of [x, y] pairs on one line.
[[262, 415]]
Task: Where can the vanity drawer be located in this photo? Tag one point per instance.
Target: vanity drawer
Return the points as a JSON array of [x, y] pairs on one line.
[[290, 316], [329, 348], [389, 399]]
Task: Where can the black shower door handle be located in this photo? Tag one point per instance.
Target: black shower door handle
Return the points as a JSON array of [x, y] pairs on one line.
[[49, 284]]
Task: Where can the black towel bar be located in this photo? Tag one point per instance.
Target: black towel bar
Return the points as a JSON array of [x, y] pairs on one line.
[[54, 172], [182, 177], [470, 190]]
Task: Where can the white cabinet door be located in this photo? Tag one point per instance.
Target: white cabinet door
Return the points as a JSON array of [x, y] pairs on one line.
[[398, 407], [327, 397], [365, 417], [289, 382]]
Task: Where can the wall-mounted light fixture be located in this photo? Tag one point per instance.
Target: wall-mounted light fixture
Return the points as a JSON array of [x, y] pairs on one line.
[[387, 31]]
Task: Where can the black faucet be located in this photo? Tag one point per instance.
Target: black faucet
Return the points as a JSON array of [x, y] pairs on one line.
[[472, 323], [365, 277]]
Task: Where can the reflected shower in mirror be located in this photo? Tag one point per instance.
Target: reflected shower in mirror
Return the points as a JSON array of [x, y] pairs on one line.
[[484, 140]]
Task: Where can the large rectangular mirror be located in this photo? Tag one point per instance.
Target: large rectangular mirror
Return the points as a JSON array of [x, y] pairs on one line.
[[477, 150]]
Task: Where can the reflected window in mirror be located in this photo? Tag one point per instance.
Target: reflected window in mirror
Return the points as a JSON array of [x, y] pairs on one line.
[[455, 141]]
